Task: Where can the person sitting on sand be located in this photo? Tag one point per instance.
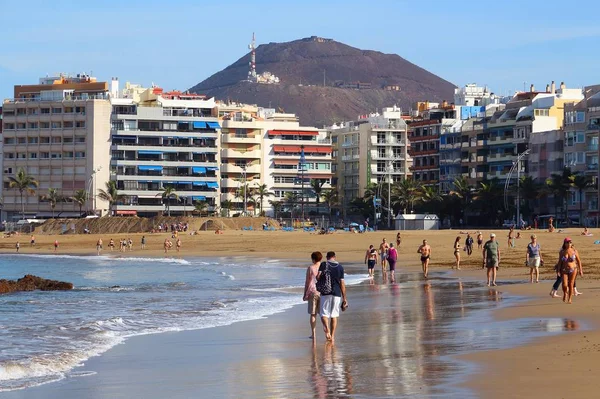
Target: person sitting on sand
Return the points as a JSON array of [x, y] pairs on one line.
[[218, 231], [550, 225], [518, 235], [425, 251], [586, 232]]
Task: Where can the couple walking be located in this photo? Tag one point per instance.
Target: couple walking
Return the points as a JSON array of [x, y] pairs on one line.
[[325, 291]]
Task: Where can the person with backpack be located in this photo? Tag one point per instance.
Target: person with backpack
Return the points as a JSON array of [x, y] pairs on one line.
[[330, 284]]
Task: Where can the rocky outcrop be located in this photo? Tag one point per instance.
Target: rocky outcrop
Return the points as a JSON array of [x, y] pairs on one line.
[[31, 283]]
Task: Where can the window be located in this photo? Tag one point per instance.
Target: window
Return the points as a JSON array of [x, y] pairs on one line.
[[80, 124], [240, 163], [569, 139], [21, 140], [44, 155], [80, 154], [580, 157], [9, 155], [21, 126], [67, 140], [80, 110], [56, 125], [44, 125], [33, 111], [33, 125], [44, 140], [56, 155], [68, 125], [569, 159], [56, 140], [580, 116], [33, 155], [80, 139], [68, 110], [21, 155], [57, 110], [580, 137], [68, 155], [9, 126], [241, 133], [45, 110], [32, 140]]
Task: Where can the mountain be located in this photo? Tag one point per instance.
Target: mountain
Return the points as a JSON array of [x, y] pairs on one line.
[[304, 65]]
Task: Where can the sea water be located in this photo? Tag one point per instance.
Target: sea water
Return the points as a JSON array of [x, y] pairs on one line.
[[45, 335]]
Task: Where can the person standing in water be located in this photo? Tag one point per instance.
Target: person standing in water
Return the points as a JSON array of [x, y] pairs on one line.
[[310, 291], [479, 240], [332, 302], [143, 242], [383, 250], [392, 259], [491, 259], [371, 260], [570, 267], [425, 251], [534, 259], [469, 244], [457, 252]]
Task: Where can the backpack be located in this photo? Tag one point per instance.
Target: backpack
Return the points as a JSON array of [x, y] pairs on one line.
[[324, 284]]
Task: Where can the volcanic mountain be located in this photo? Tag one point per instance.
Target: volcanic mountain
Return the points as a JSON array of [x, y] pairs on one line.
[[317, 77]]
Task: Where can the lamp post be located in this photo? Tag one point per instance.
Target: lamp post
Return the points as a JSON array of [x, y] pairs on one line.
[[92, 189], [301, 165], [244, 188]]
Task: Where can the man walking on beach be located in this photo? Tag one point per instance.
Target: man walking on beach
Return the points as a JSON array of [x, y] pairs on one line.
[[371, 260], [383, 251], [491, 259], [332, 301], [425, 251]]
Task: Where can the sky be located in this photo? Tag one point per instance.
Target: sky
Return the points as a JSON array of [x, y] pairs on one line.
[[175, 44]]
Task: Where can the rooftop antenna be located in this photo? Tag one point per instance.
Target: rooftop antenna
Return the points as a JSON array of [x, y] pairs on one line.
[[252, 47]]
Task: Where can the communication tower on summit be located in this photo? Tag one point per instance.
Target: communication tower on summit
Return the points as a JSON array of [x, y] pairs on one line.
[[252, 71]]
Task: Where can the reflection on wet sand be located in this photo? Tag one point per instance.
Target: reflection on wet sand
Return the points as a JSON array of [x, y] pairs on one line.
[[397, 341]]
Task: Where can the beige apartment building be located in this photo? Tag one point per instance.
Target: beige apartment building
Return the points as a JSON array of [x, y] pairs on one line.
[[57, 131], [373, 149]]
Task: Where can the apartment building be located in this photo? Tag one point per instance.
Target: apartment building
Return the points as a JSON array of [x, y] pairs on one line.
[[261, 146], [57, 131], [163, 139], [373, 149]]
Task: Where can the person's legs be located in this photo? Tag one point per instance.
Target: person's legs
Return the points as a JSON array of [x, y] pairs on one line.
[[537, 274], [489, 275], [426, 271], [494, 273], [572, 278], [334, 321], [458, 260], [565, 285], [531, 275], [557, 283], [326, 302]]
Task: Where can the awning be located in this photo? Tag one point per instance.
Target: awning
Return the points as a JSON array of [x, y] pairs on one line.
[[124, 137], [322, 150], [148, 152], [212, 184], [292, 133], [127, 212], [149, 167], [199, 125], [199, 198], [199, 183], [184, 182], [286, 161], [286, 148], [213, 168], [198, 169], [323, 176], [213, 125]]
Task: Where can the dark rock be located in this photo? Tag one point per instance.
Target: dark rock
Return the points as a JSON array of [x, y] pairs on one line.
[[31, 283]]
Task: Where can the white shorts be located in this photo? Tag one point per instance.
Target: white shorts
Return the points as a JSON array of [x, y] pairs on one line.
[[330, 306], [534, 262]]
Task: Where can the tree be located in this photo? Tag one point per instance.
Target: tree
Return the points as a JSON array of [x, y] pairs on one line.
[[261, 192], [168, 194], [291, 198], [559, 185], [406, 193], [227, 205], [200, 207], [111, 195], [276, 207], [317, 187], [430, 198], [53, 197], [25, 184], [530, 191], [80, 198], [331, 198], [580, 182], [464, 192], [243, 192], [489, 195]]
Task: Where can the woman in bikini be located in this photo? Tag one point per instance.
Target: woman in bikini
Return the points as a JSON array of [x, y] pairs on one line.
[[457, 252], [398, 241], [479, 240], [570, 266]]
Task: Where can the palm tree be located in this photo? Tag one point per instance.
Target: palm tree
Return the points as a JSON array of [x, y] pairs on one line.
[[24, 183], [111, 194], [243, 192], [261, 192], [405, 193], [331, 198], [227, 205], [200, 207], [80, 198], [488, 196], [580, 182], [167, 194], [53, 197], [291, 198], [317, 188], [559, 185], [464, 192], [430, 197], [276, 207], [530, 190]]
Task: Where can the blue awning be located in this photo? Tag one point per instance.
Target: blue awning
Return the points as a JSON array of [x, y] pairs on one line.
[[199, 125], [148, 152], [198, 169], [124, 137], [199, 183], [199, 198], [148, 167], [213, 125], [212, 184], [214, 168]]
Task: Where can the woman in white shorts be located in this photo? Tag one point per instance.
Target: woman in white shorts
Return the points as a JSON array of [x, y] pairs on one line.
[[533, 259]]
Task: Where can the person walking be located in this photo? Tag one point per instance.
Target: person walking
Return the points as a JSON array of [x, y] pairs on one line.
[[534, 259], [383, 250], [491, 259], [457, 253], [333, 298], [469, 244], [425, 251], [479, 240], [143, 242], [310, 291], [98, 246], [392, 259], [18, 246], [55, 245], [570, 267], [371, 260]]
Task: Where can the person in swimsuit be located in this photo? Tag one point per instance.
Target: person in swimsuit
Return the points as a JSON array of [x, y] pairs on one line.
[[392, 259], [111, 244], [371, 260], [457, 252], [55, 245], [98, 246], [32, 241], [533, 259], [570, 267], [178, 244], [511, 241], [383, 250], [479, 240], [398, 241], [425, 251]]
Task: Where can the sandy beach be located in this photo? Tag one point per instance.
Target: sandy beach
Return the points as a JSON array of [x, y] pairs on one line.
[[535, 369]]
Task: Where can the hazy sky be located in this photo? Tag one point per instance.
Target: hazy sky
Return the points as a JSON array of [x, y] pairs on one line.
[[177, 44]]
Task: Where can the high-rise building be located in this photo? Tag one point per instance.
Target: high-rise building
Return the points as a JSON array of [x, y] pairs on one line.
[[160, 140], [57, 131]]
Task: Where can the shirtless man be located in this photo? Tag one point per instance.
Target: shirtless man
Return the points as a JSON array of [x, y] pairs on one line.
[[425, 251], [167, 245], [371, 260], [383, 251]]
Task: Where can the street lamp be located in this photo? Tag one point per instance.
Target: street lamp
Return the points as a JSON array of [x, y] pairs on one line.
[[92, 189], [244, 188], [301, 165]]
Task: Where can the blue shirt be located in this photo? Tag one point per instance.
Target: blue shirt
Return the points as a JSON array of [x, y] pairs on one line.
[[337, 275]]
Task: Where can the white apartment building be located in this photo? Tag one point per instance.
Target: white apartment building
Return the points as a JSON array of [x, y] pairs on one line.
[[372, 149], [261, 146], [57, 131], [159, 140]]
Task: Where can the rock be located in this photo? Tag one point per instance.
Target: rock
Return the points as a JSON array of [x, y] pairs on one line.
[[31, 283]]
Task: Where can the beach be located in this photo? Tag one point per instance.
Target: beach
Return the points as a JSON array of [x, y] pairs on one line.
[[395, 335]]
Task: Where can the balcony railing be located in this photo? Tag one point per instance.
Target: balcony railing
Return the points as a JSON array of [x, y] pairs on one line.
[[592, 147]]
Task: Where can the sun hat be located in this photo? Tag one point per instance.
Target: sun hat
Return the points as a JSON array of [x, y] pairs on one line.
[[492, 235], [567, 239]]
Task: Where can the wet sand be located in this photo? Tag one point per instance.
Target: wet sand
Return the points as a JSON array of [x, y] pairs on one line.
[[396, 340], [378, 353]]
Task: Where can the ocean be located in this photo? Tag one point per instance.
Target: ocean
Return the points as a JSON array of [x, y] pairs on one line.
[[45, 336]]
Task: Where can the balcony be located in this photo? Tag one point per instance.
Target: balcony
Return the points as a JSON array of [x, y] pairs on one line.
[[232, 168], [593, 126], [349, 144], [233, 139], [382, 142], [500, 157], [415, 139], [425, 167], [592, 148], [231, 153], [500, 140], [450, 146]]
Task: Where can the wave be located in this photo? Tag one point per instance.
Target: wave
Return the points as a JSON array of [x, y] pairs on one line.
[[118, 258], [229, 276]]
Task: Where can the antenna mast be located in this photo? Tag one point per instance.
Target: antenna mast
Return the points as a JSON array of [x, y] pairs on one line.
[[252, 47]]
